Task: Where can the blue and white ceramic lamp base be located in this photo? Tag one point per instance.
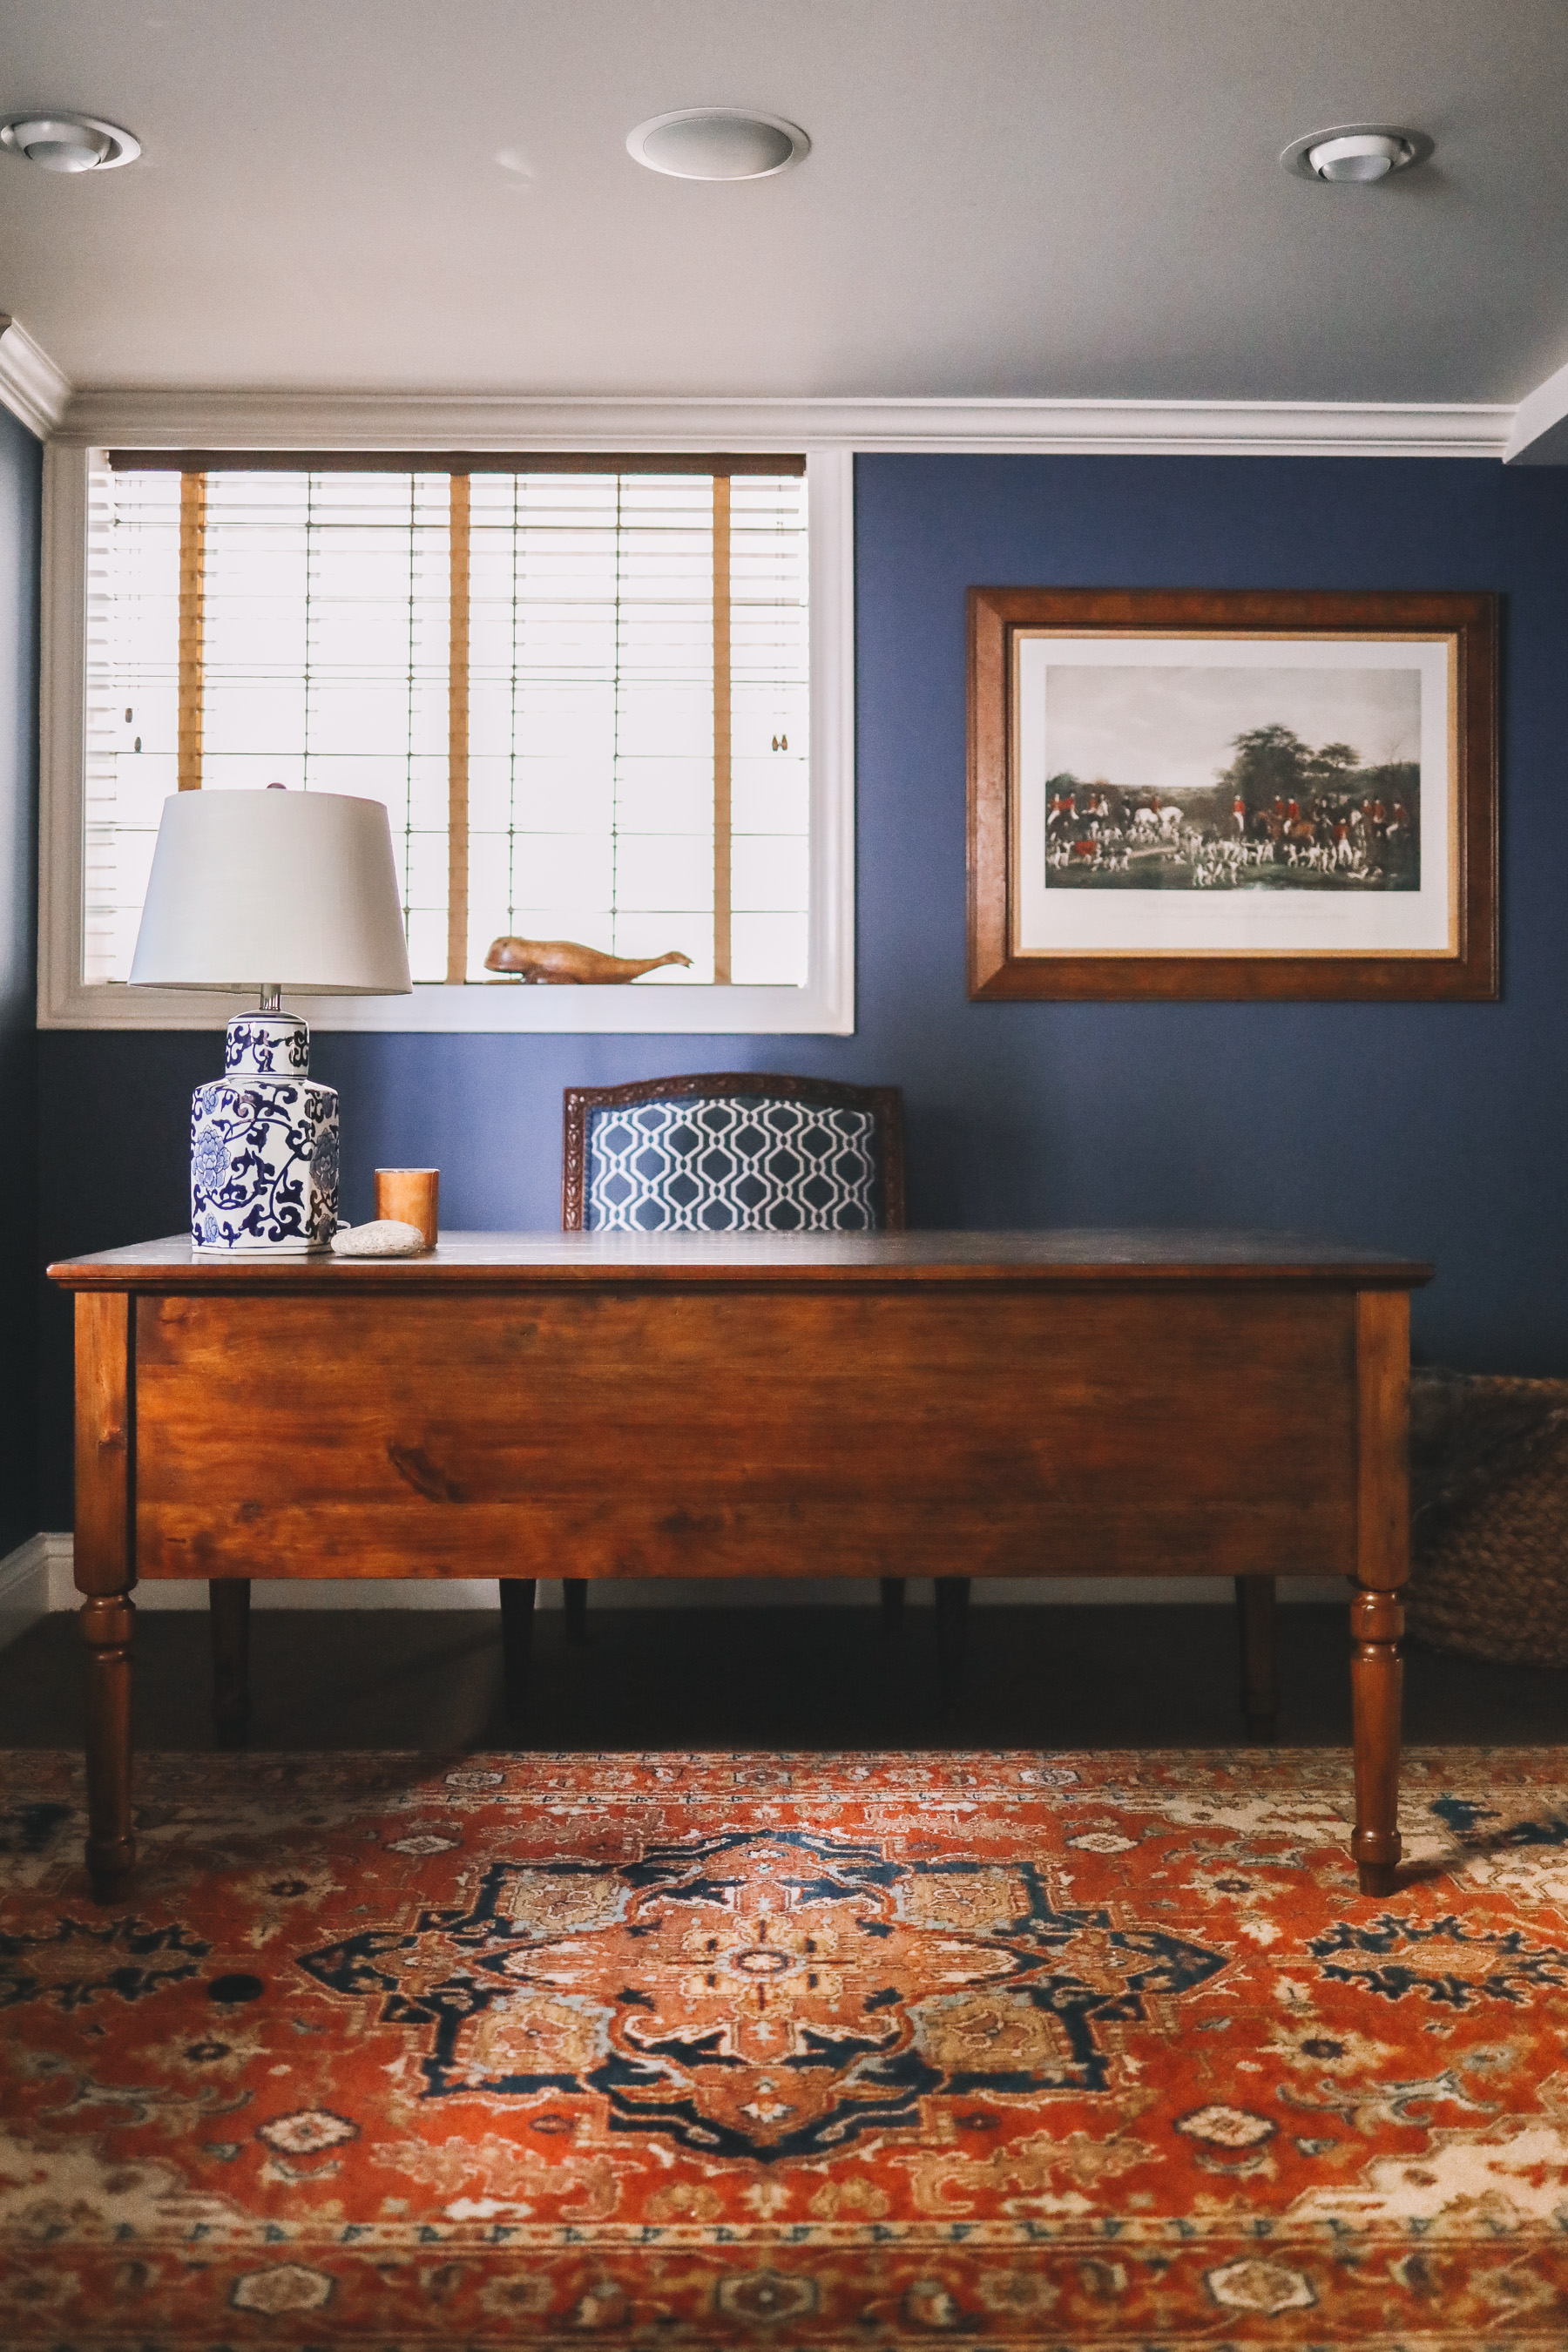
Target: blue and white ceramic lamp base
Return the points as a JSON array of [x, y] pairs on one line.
[[264, 1147]]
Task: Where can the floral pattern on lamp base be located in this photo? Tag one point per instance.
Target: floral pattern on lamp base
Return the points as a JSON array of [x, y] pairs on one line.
[[264, 1146]]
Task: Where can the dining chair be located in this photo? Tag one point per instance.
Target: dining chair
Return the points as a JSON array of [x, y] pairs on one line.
[[730, 1151], [696, 1154]]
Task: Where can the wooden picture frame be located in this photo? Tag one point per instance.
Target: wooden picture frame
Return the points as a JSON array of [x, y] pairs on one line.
[[1375, 878]]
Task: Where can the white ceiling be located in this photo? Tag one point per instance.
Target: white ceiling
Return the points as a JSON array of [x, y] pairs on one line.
[[1072, 199]]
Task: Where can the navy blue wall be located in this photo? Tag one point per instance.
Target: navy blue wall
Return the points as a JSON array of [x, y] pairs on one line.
[[1440, 1131], [20, 472]]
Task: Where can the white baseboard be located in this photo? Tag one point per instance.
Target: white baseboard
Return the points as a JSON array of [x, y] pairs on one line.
[[48, 1558], [28, 1585]]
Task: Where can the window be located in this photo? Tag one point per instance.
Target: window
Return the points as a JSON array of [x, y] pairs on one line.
[[582, 687]]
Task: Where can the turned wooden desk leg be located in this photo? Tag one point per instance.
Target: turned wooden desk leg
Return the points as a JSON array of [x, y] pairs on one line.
[[105, 1572], [1256, 1614], [230, 1627], [1377, 1680], [575, 1601], [107, 1619], [1382, 1547], [516, 1639]]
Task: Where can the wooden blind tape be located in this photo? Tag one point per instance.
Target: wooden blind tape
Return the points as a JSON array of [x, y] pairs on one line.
[[193, 590], [456, 461], [458, 745], [721, 731]]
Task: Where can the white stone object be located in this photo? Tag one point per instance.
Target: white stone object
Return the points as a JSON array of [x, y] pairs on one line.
[[384, 1237]]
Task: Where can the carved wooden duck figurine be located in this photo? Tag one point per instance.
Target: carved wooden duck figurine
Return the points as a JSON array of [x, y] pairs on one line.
[[563, 961]]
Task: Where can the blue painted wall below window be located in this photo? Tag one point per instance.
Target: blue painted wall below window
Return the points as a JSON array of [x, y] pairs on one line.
[[20, 474], [1440, 1131]]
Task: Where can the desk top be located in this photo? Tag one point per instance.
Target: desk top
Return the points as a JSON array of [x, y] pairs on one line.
[[555, 1260]]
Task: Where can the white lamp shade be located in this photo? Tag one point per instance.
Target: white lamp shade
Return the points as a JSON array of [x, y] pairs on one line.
[[273, 889]]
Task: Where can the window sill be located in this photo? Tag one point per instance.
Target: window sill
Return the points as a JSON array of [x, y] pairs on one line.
[[630, 1010]]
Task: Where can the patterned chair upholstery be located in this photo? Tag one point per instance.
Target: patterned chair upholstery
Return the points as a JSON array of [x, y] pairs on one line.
[[745, 1153], [741, 1151]]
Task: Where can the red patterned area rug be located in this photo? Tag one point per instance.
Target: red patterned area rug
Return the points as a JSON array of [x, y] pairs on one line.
[[786, 2051]]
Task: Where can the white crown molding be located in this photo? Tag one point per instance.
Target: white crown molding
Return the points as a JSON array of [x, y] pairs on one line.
[[365, 420], [31, 386], [1539, 435]]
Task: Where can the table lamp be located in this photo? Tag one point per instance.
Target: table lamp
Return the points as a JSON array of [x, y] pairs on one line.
[[270, 890]]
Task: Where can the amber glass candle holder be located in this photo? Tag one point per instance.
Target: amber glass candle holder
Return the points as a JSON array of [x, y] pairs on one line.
[[411, 1195]]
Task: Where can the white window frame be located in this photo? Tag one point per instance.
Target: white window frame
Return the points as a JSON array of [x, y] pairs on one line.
[[823, 1006]]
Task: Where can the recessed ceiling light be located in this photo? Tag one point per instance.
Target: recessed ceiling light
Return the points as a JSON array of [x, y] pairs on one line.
[[68, 143], [717, 143], [1360, 152]]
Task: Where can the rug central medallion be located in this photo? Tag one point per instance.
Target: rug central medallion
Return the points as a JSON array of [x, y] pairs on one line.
[[764, 1993]]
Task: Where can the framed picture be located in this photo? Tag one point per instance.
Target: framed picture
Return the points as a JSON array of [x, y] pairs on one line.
[[1224, 793]]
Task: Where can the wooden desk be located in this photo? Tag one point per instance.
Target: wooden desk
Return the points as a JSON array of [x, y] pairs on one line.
[[601, 1405]]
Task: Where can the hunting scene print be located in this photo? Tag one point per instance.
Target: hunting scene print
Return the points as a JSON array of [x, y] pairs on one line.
[[1220, 779], [1232, 793]]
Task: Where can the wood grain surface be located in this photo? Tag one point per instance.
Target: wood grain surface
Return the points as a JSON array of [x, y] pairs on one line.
[[757, 1432], [105, 1391], [504, 1262]]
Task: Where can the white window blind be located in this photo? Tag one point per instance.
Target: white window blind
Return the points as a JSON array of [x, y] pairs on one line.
[[132, 715], [584, 697]]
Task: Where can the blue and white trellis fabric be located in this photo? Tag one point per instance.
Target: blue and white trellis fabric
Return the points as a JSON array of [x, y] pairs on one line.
[[732, 1164]]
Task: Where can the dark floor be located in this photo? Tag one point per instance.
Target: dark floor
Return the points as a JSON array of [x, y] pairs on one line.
[[1038, 1677]]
